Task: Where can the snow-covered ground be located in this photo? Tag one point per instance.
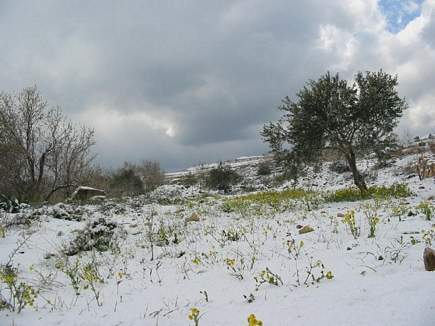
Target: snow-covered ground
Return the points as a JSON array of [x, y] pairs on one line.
[[164, 260]]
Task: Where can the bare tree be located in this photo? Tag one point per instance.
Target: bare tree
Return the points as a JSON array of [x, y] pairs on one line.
[[151, 173], [42, 152]]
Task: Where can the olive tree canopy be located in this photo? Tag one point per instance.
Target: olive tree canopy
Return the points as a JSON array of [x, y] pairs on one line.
[[332, 113]]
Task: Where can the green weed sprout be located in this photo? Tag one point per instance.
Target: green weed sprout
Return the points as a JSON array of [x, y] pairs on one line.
[[349, 220]]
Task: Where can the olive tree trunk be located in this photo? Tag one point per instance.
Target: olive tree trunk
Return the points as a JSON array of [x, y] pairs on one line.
[[358, 178]]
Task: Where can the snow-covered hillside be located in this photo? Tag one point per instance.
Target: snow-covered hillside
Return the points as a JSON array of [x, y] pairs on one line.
[[151, 260]]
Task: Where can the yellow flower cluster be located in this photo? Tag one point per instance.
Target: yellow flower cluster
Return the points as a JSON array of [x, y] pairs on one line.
[[194, 315], [230, 262], [253, 321]]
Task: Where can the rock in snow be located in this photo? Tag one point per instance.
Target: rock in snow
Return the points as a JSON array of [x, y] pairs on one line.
[[429, 259], [84, 193], [306, 229]]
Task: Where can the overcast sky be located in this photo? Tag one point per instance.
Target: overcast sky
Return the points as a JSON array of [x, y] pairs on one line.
[[185, 82]]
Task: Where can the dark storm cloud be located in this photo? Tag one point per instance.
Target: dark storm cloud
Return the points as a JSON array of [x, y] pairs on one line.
[[189, 81]]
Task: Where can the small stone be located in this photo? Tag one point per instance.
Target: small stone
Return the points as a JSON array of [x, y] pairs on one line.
[[299, 226], [340, 214], [421, 187], [306, 229], [193, 218], [429, 259], [380, 258], [60, 233], [83, 193]]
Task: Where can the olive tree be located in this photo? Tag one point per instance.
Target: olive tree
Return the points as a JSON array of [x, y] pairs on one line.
[[333, 113]]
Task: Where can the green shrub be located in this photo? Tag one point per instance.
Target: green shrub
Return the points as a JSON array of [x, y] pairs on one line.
[[125, 181], [339, 167], [264, 169], [8, 204], [222, 178], [188, 180]]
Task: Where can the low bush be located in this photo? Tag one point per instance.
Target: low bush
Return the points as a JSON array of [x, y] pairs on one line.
[[99, 234], [269, 198], [188, 180], [8, 204], [382, 192], [222, 178], [339, 167], [125, 181], [264, 169]]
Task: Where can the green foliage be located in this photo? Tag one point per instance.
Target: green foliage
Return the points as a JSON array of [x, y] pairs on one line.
[[82, 277], [382, 192], [97, 234], [125, 181], [371, 213], [20, 294], [332, 113], [222, 178], [429, 236], [270, 198], [72, 270], [279, 200], [397, 190], [166, 235], [8, 204], [91, 277], [349, 220], [234, 270], [188, 180], [339, 167], [400, 210], [314, 272], [426, 208], [264, 169], [266, 276], [231, 234]]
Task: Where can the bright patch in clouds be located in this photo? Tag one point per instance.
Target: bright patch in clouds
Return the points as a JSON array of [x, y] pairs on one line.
[[399, 13], [112, 123]]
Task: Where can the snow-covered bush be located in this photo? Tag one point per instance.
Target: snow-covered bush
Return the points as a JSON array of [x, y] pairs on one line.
[[100, 234]]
